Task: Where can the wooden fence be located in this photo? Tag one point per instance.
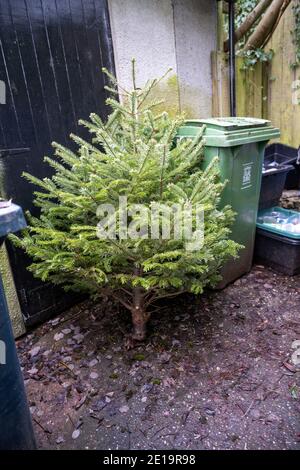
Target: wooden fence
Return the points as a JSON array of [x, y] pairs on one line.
[[269, 91]]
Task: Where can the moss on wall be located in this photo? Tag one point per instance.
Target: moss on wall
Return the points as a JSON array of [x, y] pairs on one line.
[[177, 97], [168, 92], [11, 295]]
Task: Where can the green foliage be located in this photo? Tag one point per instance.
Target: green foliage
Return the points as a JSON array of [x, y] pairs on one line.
[[253, 56], [296, 32], [133, 155], [244, 7]]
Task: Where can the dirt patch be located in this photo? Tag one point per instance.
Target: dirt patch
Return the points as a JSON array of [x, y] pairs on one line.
[[291, 200], [215, 373]]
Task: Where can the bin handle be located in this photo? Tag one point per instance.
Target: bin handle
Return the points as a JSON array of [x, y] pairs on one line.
[[298, 156]]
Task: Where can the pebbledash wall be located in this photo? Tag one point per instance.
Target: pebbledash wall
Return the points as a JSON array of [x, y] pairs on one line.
[[167, 33]]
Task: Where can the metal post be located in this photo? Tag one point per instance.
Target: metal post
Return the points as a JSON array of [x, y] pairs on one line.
[[232, 59]]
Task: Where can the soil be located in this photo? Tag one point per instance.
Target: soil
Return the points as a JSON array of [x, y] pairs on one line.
[[290, 199], [214, 373]]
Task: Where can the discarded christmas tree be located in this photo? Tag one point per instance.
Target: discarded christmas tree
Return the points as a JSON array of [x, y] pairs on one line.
[[101, 228]]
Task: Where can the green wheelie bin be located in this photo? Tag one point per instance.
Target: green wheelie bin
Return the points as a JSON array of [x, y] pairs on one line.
[[239, 143]]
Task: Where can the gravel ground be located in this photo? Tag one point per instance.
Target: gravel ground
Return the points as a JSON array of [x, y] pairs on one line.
[[215, 373]]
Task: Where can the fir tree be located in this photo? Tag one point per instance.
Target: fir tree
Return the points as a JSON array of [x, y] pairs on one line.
[[133, 155]]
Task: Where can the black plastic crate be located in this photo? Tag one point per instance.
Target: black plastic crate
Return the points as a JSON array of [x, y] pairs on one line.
[[277, 251], [272, 185], [280, 154]]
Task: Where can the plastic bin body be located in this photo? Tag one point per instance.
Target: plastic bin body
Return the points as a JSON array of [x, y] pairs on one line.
[[275, 245], [285, 155], [277, 251], [239, 144], [15, 420], [272, 185]]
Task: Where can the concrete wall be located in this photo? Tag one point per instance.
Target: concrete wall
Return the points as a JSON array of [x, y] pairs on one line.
[[167, 33], [195, 37]]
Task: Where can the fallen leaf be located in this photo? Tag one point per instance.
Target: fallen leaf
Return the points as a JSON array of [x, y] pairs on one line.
[[99, 405], [80, 402], [289, 367], [268, 286], [94, 375], [139, 357], [124, 409], [93, 362], [76, 434], [34, 352], [271, 418], [78, 338], [66, 331], [210, 411], [58, 336], [165, 357], [169, 382]]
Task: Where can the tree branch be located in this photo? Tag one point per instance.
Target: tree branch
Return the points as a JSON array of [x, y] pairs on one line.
[[284, 6], [266, 24], [249, 21], [154, 298], [126, 292], [123, 302]]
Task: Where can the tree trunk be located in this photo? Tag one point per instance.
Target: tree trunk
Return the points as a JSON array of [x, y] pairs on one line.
[[139, 315], [267, 39], [266, 24], [249, 22]]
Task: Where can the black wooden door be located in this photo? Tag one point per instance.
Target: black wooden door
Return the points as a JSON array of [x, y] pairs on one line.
[[51, 55]]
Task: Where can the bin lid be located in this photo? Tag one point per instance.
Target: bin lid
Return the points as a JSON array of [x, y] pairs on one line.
[[11, 220], [230, 131]]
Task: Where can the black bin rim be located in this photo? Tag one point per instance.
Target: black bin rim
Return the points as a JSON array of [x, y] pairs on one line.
[[275, 236], [276, 170]]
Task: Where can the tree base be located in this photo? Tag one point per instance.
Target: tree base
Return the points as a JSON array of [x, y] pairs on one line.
[[139, 328], [139, 322], [130, 342]]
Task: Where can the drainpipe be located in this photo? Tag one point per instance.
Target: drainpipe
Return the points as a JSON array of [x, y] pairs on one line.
[[232, 59]]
